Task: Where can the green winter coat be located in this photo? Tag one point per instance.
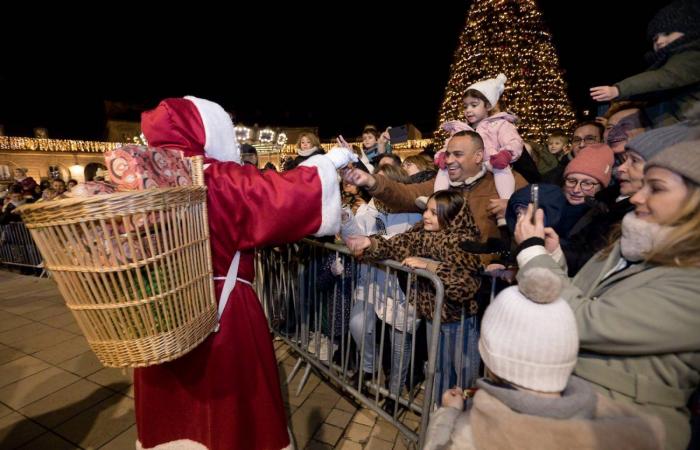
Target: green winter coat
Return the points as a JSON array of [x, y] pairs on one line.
[[639, 332], [676, 85]]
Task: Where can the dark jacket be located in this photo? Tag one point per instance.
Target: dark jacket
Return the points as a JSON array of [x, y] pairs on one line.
[[671, 84], [300, 159]]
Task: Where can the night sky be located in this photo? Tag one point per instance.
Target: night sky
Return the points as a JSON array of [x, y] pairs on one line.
[[288, 65]]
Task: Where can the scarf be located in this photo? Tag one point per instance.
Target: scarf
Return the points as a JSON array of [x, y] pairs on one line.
[[578, 400], [639, 237], [306, 153], [471, 180]]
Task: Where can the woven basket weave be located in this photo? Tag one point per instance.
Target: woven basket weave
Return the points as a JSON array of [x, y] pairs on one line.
[[133, 267]]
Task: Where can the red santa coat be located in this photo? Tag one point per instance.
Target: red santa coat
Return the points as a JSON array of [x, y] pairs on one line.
[[225, 394]]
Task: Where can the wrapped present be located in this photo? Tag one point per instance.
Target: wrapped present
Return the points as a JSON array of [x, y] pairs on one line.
[[90, 188], [136, 167]]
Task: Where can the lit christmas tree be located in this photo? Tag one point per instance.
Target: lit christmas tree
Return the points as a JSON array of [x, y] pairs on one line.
[[509, 36]]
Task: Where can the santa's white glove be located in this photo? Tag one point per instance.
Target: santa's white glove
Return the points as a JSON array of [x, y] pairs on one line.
[[340, 157]]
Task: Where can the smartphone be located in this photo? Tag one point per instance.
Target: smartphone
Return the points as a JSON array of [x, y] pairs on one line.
[[398, 134], [535, 200]]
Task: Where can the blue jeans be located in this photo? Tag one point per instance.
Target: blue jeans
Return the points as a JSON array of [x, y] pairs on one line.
[[457, 360], [363, 315]]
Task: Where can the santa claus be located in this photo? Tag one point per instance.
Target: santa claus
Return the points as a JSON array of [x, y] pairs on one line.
[[225, 394]]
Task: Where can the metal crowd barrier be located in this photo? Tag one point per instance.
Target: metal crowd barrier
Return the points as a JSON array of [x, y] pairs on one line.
[[316, 312], [17, 247]]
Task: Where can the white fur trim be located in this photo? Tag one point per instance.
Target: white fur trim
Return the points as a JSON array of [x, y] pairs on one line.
[[529, 253], [220, 143], [180, 444], [330, 199]]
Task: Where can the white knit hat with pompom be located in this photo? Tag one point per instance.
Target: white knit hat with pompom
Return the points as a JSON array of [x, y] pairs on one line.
[[528, 334], [491, 88]]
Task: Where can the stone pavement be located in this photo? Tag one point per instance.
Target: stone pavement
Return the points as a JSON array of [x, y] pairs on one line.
[[54, 393]]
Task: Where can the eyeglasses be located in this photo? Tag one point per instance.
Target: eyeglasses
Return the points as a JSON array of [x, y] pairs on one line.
[[585, 184], [586, 139]]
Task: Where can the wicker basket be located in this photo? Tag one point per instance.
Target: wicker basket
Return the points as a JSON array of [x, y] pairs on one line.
[[134, 268]]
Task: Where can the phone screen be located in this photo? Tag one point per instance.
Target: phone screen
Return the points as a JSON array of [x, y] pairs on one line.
[[398, 134], [535, 200]]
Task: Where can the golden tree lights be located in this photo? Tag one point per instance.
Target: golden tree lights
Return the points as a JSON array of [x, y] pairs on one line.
[[509, 36]]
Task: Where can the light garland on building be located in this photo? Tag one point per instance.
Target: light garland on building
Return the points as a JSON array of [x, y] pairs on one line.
[[281, 138], [242, 133], [509, 36], [266, 136], [55, 145]]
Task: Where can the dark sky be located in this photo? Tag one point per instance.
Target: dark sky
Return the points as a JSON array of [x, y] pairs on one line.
[[289, 65]]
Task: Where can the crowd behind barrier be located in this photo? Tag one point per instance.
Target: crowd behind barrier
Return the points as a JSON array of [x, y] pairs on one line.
[[17, 247], [363, 318]]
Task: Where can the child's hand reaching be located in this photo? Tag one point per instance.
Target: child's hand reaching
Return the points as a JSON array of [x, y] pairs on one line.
[[357, 244], [415, 262], [453, 398], [500, 271], [604, 93]]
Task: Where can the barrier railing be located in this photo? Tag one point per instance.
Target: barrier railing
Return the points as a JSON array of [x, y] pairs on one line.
[[357, 324], [17, 247]]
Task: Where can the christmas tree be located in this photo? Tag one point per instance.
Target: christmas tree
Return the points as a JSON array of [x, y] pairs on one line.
[[509, 36]]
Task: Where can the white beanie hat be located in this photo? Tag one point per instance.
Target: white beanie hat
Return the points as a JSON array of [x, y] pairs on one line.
[[528, 334], [491, 88]]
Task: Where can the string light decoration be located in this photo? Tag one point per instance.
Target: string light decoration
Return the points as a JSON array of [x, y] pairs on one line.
[[266, 136], [242, 133], [509, 36], [55, 145], [281, 138]]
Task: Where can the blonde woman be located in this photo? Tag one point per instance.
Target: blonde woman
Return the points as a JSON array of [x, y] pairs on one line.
[[637, 304], [308, 145]]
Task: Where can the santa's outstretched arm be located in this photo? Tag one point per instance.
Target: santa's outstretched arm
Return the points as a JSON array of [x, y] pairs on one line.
[[264, 208]]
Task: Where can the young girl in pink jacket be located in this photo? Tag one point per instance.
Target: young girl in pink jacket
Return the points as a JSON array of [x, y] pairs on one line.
[[502, 143]]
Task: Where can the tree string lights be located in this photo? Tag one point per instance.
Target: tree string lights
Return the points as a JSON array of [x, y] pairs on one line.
[[509, 36]]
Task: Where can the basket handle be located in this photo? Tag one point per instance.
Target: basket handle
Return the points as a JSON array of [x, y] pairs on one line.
[[197, 163]]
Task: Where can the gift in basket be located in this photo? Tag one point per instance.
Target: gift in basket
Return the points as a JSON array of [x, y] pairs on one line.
[[134, 266]]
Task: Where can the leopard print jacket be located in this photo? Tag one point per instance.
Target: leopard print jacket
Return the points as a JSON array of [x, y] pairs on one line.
[[458, 270]]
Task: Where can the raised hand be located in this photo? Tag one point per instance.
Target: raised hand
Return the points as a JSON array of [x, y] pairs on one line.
[[359, 177], [604, 93], [525, 229], [342, 142], [341, 156]]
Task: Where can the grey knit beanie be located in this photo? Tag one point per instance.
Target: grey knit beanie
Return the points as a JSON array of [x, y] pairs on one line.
[[650, 143], [683, 158]]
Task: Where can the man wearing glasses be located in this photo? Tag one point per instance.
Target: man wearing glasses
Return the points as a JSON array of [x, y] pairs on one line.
[[585, 134]]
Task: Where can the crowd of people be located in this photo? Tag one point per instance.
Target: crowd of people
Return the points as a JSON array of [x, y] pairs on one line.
[[594, 236], [610, 360], [25, 189]]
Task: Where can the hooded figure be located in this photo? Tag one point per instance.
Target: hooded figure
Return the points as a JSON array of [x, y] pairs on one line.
[[225, 394]]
